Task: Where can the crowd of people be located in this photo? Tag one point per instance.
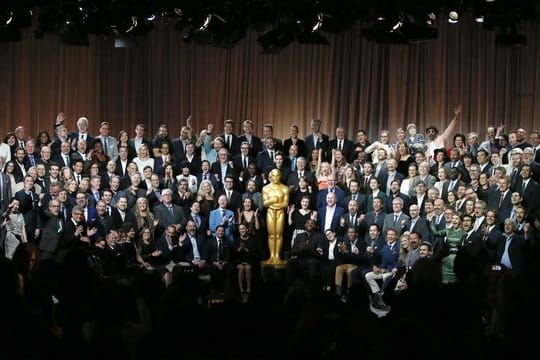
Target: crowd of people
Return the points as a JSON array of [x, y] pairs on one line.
[[149, 224]]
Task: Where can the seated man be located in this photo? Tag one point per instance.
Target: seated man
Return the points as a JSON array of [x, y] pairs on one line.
[[304, 255], [384, 269]]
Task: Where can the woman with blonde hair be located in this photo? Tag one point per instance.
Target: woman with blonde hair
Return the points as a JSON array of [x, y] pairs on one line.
[[145, 218], [206, 197]]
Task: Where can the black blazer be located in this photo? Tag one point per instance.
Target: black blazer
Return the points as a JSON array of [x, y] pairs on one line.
[[348, 149], [517, 252], [212, 250], [51, 233], [287, 143]]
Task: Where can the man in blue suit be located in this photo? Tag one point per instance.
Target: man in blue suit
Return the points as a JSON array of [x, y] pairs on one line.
[[330, 215], [222, 216], [332, 188]]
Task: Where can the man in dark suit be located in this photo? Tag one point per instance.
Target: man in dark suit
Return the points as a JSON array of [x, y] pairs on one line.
[[329, 215], [5, 192], [304, 255], [265, 158], [241, 161], [201, 222], [365, 178], [301, 171], [218, 259], [513, 251], [193, 246], [316, 140], [121, 215], [396, 193], [20, 168], [472, 241], [28, 203], [234, 197], [294, 140], [331, 189], [417, 223], [135, 143], [499, 199], [279, 164], [82, 133], [351, 219], [484, 165], [254, 142], [354, 188], [232, 142], [64, 157], [374, 217], [346, 146], [221, 168], [206, 174], [528, 189], [52, 227]]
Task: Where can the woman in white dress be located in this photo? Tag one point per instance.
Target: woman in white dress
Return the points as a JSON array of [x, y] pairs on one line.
[[143, 159], [15, 233]]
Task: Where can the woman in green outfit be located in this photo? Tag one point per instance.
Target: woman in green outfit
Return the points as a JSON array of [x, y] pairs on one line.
[[453, 235]]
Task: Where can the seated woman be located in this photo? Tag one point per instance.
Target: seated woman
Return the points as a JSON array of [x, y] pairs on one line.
[[151, 255], [249, 215]]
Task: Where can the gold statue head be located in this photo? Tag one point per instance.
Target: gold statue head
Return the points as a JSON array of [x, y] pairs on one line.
[[275, 176]]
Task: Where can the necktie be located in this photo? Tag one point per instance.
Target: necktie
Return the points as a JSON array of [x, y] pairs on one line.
[[300, 174], [105, 145], [197, 220], [229, 195], [272, 155], [340, 146], [223, 213], [78, 179], [63, 211], [32, 161], [122, 215], [96, 195], [229, 141], [351, 220], [501, 199], [171, 210], [82, 137], [395, 219], [245, 162], [524, 187], [66, 158], [293, 164], [220, 249]]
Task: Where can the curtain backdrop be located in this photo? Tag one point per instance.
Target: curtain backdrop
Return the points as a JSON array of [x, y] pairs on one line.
[[351, 82]]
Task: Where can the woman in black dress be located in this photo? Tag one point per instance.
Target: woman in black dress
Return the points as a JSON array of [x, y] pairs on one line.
[[243, 257]]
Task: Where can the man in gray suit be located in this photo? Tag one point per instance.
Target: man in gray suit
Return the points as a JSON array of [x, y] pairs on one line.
[[396, 220], [110, 145]]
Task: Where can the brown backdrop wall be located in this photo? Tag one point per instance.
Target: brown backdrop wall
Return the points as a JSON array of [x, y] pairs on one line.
[[351, 82]]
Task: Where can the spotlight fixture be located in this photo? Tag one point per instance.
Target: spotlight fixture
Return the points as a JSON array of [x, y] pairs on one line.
[[453, 17]]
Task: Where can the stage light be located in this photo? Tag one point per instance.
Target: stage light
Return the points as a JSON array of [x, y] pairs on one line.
[[453, 17]]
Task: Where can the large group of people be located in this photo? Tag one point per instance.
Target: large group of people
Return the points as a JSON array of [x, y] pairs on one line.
[[409, 210]]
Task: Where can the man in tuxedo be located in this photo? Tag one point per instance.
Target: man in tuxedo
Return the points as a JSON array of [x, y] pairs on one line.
[[241, 161], [254, 142], [346, 146], [52, 226], [231, 140], [374, 217], [389, 174], [329, 214], [206, 174], [110, 145], [492, 235], [90, 212], [396, 220], [304, 255], [396, 193], [316, 140]]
